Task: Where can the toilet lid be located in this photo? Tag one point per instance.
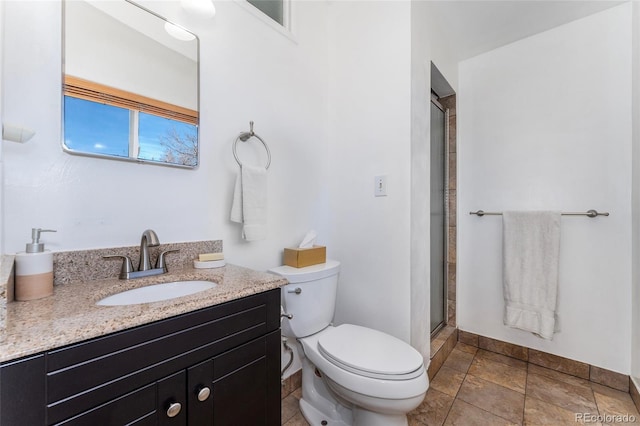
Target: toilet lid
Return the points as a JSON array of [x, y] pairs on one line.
[[370, 353]]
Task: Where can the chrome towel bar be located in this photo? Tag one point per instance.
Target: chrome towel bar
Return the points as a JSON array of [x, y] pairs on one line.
[[589, 213]]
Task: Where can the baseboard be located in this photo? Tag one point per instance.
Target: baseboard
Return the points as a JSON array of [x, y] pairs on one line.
[[583, 370]]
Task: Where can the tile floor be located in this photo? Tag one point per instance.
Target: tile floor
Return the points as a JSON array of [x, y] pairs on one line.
[[477, 387]]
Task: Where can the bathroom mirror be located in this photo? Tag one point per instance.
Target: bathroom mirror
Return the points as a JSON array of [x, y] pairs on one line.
[[130, 85]]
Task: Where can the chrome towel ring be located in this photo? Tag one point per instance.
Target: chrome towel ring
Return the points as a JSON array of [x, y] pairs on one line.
[[245, 136]]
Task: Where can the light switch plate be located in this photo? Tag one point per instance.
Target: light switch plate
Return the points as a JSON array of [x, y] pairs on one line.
[[380, 186]]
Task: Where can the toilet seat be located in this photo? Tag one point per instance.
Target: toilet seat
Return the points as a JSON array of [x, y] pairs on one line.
[[370, 353]]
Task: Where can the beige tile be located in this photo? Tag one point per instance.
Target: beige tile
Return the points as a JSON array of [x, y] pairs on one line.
[[561, 377], [468, 338], [450, 343], [612, 402], [296, 380], [449, 102], [504, 348], [452, 252], [437, 342], [464, 414], [452, 134], [503, 359], [609, 378], [452, 171], [451, 288], [571, 397], [446, 340], [447, 381], [453, 202], [501, 374], [291, 383], [285, 388], [459, 360], [451, 312], [453, 341], [297, 420], [290, 406], [540, 413], [493, 398], [466, 348], [558, 363], [436, 362], [433, 410], [635, 395]]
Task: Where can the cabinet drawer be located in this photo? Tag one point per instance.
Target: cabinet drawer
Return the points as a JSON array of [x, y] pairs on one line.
[[120, 364], [59, 359], [127, 409]]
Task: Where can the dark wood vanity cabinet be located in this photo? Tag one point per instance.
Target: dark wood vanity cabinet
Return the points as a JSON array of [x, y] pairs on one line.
[[215, 366]]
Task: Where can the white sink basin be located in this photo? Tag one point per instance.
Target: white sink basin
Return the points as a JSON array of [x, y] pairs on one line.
[[156, 293]]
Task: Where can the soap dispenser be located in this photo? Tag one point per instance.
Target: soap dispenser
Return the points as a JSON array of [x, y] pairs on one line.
[[34, 269]]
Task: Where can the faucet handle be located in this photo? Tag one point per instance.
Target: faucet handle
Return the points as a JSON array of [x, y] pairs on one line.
[[127, 266], [161, 263]]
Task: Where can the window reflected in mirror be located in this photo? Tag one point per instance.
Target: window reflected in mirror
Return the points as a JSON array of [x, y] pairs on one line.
[[130, 85]]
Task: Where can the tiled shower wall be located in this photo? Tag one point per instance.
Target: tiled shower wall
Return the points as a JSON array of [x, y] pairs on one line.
[[449, 102]]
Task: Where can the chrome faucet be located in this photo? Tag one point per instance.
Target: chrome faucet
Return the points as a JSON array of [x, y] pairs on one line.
[[149, 239]]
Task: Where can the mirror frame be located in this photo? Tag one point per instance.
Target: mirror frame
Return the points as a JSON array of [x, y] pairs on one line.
[[114, 157]]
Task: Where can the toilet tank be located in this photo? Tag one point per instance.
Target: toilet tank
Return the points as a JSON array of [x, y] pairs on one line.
[[310, 297]]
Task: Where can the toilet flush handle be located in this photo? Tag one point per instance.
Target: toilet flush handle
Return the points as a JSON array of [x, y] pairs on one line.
[[298, 290]]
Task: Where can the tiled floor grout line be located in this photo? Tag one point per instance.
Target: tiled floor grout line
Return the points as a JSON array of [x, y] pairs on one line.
[[455, 397], [480, 408], [593, 393]]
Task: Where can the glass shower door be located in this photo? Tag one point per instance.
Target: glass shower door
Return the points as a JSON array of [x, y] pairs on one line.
[[438, 217]]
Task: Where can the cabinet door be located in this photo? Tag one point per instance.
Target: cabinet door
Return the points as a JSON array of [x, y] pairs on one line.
[[172, 400], [22, 394], [199, 394], [244, 389]]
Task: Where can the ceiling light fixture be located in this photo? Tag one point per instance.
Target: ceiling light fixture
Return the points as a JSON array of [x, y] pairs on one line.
[[202, 8]]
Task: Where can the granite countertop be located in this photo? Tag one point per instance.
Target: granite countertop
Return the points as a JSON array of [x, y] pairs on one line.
[[71, 314]]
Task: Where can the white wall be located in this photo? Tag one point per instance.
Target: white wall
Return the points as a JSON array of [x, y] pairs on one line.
[[2, 25], [248, 72], [635, 187], [545, 123], [369, 135]]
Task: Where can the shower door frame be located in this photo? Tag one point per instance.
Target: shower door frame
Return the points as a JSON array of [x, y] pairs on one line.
[[445, 279]]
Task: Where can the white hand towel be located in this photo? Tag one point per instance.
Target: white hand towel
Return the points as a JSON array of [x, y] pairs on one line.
[[531, 252], [249, 205]]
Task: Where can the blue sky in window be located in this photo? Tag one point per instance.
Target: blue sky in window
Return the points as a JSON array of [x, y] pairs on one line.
[[153, 129], [96, 128]]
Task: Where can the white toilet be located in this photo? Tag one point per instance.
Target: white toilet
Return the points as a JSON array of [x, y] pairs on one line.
[[351, 375]]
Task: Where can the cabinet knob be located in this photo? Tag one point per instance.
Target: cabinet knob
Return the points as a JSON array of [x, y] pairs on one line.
[[203, 393], [174, 409]]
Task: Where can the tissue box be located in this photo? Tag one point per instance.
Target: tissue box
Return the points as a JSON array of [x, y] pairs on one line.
[[301, 257]]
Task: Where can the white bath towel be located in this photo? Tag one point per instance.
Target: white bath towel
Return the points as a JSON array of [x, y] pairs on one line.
[[249, 205], [531, 252]]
